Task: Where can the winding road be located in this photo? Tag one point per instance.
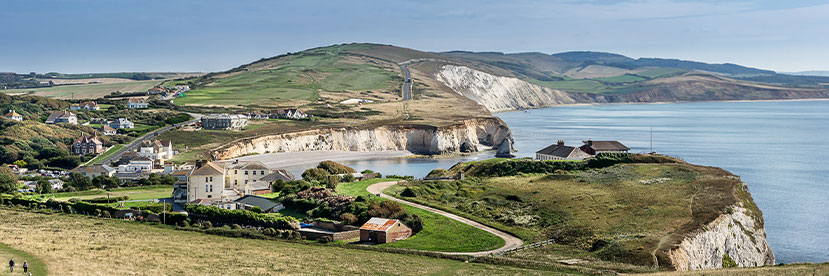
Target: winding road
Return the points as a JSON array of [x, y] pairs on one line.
[[512, 242], [407, 83]]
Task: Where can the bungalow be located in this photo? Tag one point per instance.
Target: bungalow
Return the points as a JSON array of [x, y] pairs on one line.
[[559, 151], [134, 103], [94, 170], [87, 145], [88, 105], [13, 115], [381, 230], [137, 165], [277, 175], [595, 147], [256, 115], [106, 130], [267, 205], [56, 184], [62, 117], [121, 123]]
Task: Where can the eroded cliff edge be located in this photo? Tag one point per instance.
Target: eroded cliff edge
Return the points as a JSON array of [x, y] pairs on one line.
[[736, 235], [469, 135]]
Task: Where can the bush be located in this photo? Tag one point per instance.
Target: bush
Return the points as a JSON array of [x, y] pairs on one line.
[[256, 209], [335, 168], [107, 199], [348, 218], [206, 225], [325, 239], [348, 178], [241, 217], [728, 262], [316, 174], [236, 226]]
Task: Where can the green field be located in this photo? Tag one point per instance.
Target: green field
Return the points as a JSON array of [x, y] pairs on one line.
[[106, 154], [622, 79], [81, 245], [661, 72], [135, 193], [439, 233], [299, 77], [36, 266], [88, 91]]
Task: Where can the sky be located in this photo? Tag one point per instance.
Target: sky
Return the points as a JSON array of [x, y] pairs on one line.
[[82, 36]]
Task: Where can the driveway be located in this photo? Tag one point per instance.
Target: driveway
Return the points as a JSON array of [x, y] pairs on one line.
[[512, 242]]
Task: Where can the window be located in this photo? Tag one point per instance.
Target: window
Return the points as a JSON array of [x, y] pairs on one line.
[[235, 181], [211, 188], [254, 172], [235, 171], [206, 179], [262, 172], [246, 172], [246, 181], [206, 189], [211, 179]]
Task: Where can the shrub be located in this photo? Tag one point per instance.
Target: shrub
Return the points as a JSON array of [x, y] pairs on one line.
[[241, 217], [256, 209], [728, 262], [325, 239], [348, 218], [348, 178], [183, 223], [335, 168], [236, 226], [206, 225]]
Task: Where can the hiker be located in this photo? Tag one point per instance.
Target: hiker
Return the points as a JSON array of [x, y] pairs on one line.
[[11, 265], [25, 267]]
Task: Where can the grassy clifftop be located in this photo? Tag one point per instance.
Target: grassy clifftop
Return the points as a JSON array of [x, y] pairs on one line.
[[620, 216]]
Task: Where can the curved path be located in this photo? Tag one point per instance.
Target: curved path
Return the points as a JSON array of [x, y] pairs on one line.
[[511, 242]]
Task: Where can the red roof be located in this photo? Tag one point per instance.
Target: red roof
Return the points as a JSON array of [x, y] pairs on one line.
[[379, 224]]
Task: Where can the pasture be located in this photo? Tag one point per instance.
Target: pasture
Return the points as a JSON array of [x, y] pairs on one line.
[[86, 91]]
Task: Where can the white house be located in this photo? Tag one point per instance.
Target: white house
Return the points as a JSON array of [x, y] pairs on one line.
[[136, 103], [227, 180], [13, 115], [137, 165], [62, 117], [156, 150], [121, 123]]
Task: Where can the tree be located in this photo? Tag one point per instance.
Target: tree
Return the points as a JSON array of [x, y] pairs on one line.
[[334, 167], [348, 218], [20, 163], [315, 174], [106, 182], [43, 186], [348, 178], [79, 182], [8, 183], [256, 209]]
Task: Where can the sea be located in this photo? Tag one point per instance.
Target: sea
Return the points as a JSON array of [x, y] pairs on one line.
[[780, 148]]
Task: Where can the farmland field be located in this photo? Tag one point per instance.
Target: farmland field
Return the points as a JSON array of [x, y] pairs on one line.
[[78, 245], [299, 78], [439, 233], [89, 91]]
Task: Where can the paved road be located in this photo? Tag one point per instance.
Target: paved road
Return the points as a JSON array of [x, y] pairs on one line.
[[407, 83], [135, 143], [512, 242]]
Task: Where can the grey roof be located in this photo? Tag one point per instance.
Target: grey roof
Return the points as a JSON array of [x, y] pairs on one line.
[[607, 146], [277, 175], [94, 169], [263, 203], [258, 186], [559, 150], [248, 165]]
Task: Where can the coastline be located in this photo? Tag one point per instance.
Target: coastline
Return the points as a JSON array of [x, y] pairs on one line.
[[282, 160], [676, 102]]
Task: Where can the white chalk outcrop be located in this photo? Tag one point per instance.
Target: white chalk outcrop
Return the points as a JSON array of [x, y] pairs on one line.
[[499, 93], [467, 136], [735, 233]]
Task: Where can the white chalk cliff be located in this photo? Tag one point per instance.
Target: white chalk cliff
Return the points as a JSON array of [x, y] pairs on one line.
[[467, 136]]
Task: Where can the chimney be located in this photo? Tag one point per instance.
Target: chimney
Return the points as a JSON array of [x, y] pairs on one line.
[[589, 142], [560, 142]]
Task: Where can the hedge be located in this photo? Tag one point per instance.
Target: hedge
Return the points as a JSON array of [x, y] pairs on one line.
[[219, 216]]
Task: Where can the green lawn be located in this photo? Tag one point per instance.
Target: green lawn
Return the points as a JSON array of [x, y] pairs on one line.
[[135, 193], [36, 266], [298, 77], [106, 154], [439, 233]]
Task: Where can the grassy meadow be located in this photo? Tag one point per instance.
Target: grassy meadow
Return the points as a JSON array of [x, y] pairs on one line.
[[79, 245], [87, 91], [300, 77], [134, 193], [439, 233], [106, 154], [632, 207]]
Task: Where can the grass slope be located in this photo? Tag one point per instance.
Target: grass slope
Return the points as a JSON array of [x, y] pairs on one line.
[[89, 91], [36, 266], [77, 245], [629, 206], [300, 76], [106, 154], [439, 233]]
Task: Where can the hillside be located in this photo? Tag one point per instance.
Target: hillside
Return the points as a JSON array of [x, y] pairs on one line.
[[627, 213]]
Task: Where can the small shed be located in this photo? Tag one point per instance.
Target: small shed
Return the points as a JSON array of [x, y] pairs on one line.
[[382, 230]]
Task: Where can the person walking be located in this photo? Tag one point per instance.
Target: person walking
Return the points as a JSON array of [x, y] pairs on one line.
[[11, 265], [25, 267]]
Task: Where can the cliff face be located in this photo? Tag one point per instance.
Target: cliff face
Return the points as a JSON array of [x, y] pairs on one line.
[[499, 93], [467, 136], [735, 233]]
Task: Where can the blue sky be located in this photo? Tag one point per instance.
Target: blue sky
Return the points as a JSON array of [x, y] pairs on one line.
[[147, 35]]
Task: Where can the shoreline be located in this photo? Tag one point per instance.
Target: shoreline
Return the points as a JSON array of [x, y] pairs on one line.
[[676, 102], [281, 160]]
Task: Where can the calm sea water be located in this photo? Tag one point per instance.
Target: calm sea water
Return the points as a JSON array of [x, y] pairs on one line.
[[778, 148]]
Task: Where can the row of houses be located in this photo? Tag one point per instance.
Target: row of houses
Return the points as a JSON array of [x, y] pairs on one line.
[[290, 113], [560, 151]]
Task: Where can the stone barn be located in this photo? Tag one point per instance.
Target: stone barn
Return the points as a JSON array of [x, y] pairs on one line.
[[381, 230]]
